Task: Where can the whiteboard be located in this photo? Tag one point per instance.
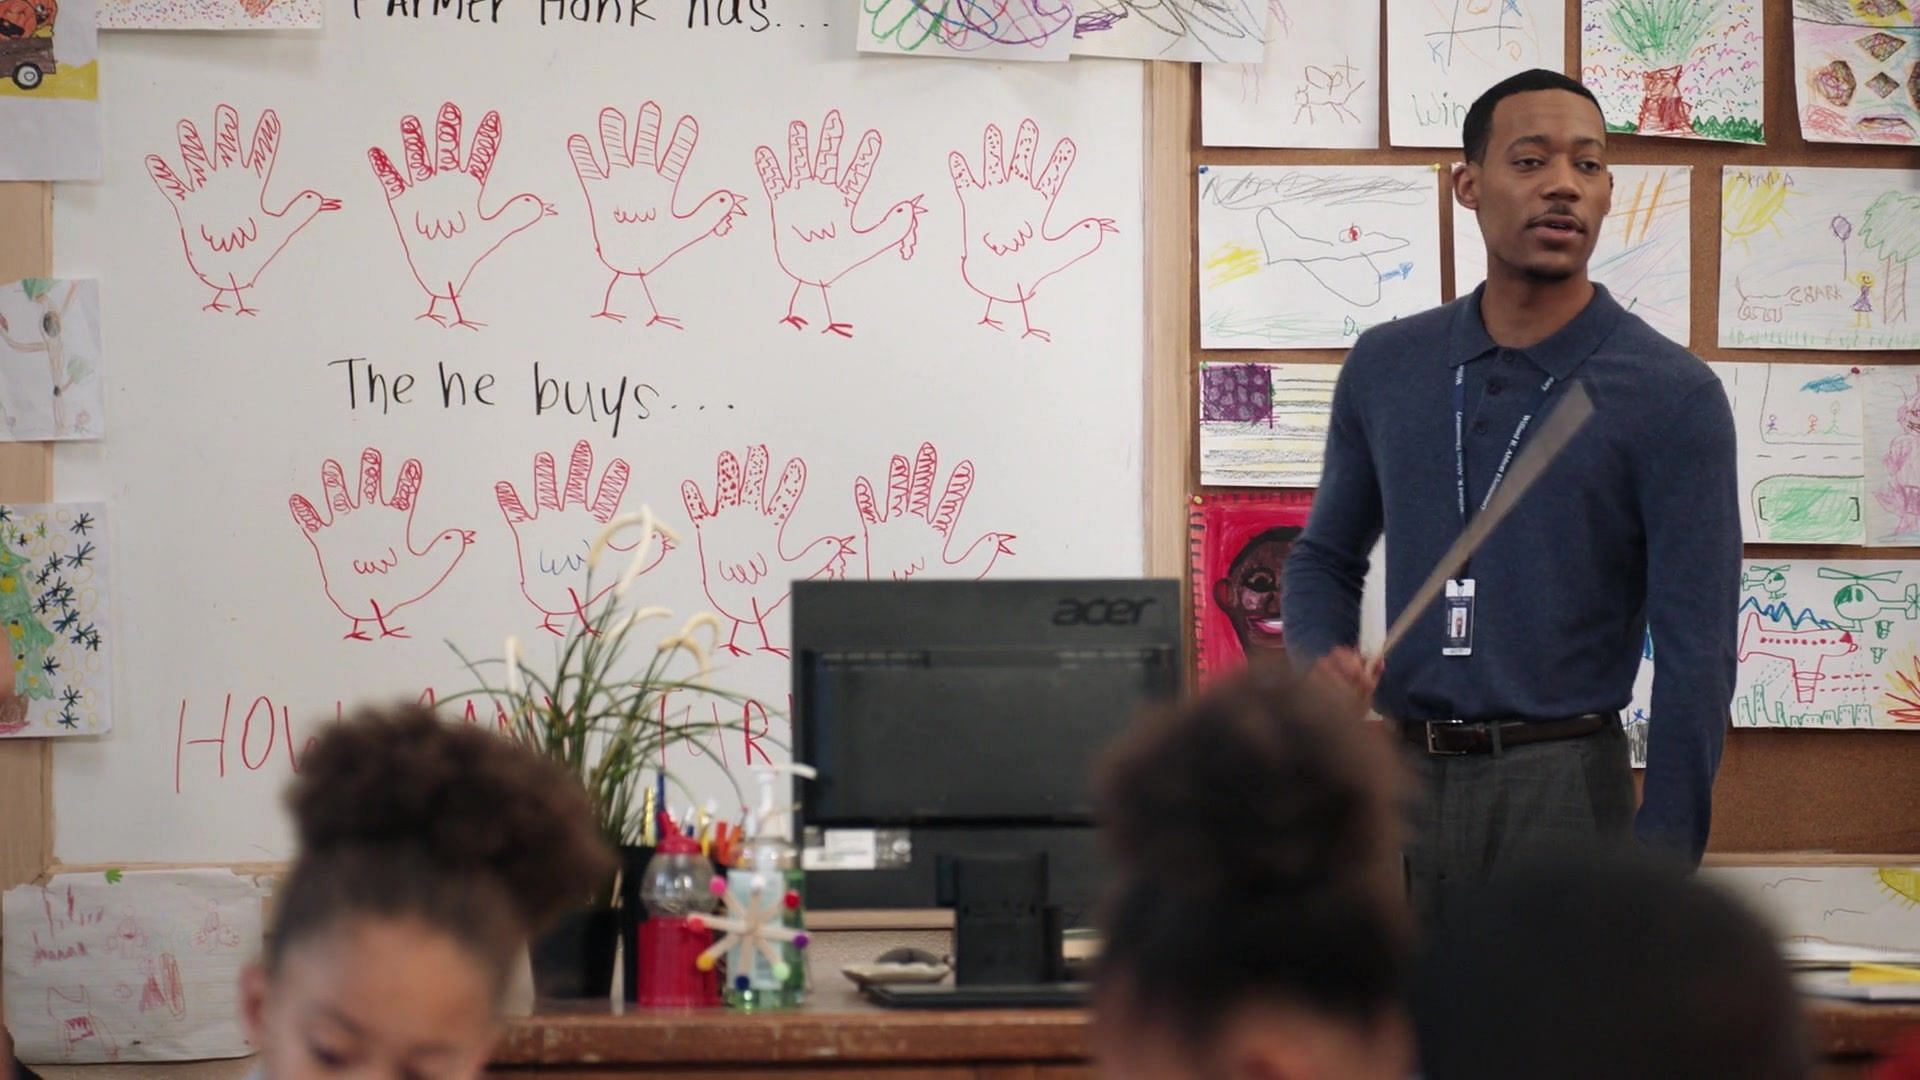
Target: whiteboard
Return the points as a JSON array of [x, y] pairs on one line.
[[220, 418]]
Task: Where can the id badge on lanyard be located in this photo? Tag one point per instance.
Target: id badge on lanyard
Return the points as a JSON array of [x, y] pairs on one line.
[[1457, 605]]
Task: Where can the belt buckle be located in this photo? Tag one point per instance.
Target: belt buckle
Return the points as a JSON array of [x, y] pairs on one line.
[[1432, 748]]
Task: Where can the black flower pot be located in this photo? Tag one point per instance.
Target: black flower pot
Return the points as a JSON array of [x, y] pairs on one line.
[[575, 958]]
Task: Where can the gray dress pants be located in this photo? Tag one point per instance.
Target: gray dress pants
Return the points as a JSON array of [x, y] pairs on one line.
[[1477, 815]]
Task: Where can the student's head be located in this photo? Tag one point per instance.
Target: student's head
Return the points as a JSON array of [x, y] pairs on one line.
[[1257, 924], [1250, 592], [1536, 175], [1606, 966], [428, 854]]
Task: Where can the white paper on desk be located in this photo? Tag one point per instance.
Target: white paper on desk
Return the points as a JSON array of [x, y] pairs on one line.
[[1840, 984], [1318, 85], [140, 966], [1820, 954]]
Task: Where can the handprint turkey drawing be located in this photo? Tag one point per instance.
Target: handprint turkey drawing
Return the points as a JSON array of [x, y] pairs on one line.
[[554, 537], [741, 534], [910, 535], [633, 201], [438, 207], [220, 204], [369, 564], [1008, 248], [815, 204]]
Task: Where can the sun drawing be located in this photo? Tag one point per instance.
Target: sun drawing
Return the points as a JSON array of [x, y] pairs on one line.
[[1902, 881]]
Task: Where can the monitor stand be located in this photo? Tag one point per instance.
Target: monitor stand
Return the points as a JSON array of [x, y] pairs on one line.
[[1065, 995], [1006, 937]]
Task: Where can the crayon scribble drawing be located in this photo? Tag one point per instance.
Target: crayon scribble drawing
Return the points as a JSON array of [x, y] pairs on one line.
[[633, 201], [54, 589], [437, 207], [1442, 54], [741, 534], [909, 533], [1800, 433], [1891, 400], [814, 205], [50, 359], [1194, 31], [1642, 255], [1819, 258], [369, 564], [1264, 425], [1856, 66], [1831, 644], [210, 14], [129, 966], [554, 537], [997, 30], [1309, 256], [1689, 69], [49, 90], [1007, 248], [1318, 83], [220, 204]]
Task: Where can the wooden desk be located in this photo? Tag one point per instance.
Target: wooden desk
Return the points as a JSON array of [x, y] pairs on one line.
[[838, 1035]]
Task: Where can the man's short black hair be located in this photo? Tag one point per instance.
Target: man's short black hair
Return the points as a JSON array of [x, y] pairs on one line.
[[1479, 126]]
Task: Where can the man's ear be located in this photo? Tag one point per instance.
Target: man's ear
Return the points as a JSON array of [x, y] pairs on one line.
[[1466, 185], [1223, 594]]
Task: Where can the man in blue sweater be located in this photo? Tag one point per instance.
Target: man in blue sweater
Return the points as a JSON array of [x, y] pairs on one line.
[[1508, 691]]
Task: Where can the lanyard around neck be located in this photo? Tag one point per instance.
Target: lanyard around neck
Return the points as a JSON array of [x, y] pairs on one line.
[[1460, 444]]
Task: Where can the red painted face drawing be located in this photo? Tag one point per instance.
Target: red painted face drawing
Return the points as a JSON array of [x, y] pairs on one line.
[[1250, 593]]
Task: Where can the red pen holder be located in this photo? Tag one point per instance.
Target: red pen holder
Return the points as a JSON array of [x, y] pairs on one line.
[[668, 976]]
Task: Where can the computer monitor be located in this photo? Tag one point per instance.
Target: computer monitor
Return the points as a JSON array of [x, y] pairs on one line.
[[953, 718]]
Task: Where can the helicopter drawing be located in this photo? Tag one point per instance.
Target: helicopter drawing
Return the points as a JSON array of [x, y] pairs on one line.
[[1858, 601], [1771, 578]]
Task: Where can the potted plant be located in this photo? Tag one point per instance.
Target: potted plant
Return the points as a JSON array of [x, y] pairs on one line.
[[598, 712]]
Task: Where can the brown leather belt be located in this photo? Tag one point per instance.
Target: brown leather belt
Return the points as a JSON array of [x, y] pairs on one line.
[[1486, 737]]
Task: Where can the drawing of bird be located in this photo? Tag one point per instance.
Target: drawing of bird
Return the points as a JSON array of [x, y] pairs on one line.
[[436, 206], [814, 205], [556, 537], [631, 200], [910, 533], [742, 542], [228, 232], [1343, 266], [369, 564], [1008, 250]]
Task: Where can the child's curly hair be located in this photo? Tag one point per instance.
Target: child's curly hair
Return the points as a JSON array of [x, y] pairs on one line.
[[1255, 830], [402, 815]]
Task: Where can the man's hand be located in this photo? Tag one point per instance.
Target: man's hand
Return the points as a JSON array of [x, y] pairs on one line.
[[1345, 668]]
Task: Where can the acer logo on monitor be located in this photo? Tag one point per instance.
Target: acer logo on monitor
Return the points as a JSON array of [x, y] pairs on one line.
[[1101, 611]]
